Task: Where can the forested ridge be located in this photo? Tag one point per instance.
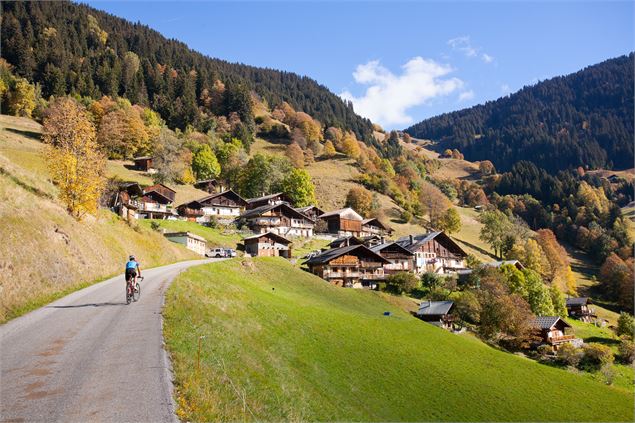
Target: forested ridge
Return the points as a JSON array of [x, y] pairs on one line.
[[582, 119], [74, 49]]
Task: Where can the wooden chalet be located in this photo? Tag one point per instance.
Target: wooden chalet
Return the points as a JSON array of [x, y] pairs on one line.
[[154, 202], [579, 308], [157, 202], [281, 219], [438, 313], [313, 212], [268, 200], [400, 259], [355, 266], [143, 163], [553, 331], [435, 252], [225, 206], [267, 244], [374, 226], [211, 186], [343, 222]]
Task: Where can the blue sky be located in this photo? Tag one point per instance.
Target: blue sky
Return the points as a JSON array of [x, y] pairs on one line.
[[400, 62]]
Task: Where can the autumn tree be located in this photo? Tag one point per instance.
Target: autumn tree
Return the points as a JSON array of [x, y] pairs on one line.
[[350, 146], [22, 98], [561, 274], [122, 134], [172, 161], [495, 228], [231, 157], [204, 163], [450, 221], [361, 200], [298, 186], [433, 203], [74, 161], [295, 155], [329, 149]]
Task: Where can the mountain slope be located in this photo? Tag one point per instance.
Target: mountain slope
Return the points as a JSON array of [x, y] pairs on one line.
[[44, 252], [582, 119], [71, 48], [282, 345]]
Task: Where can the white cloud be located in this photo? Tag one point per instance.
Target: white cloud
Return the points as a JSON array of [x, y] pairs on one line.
[[505, 89], [464, 45], [389, 96], [466, 96]]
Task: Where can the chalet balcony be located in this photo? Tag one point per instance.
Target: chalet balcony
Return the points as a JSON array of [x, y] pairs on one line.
[[353, 275], [561, 339], [154, 207], [191, 212]]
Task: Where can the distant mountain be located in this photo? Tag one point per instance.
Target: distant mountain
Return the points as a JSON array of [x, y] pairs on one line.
[[74, 49], [582, 119]]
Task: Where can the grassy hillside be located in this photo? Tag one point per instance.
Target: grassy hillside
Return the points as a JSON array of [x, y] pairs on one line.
[[46, 253], [281, 344]]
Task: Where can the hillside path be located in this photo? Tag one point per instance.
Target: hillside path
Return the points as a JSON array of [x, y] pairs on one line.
[[91, 357]]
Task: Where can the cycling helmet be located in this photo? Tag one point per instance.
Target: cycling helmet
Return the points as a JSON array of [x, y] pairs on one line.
[[131, 258]]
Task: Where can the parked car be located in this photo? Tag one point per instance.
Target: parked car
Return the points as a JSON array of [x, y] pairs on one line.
[[216, 252], [230, 252]]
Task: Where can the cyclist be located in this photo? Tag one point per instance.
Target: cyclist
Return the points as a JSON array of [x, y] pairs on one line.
[[132, 270]]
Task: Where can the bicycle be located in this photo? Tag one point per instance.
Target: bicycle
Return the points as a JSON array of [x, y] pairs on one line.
[[133, 293]]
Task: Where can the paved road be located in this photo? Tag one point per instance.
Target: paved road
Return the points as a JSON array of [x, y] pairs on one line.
[[90, 357]]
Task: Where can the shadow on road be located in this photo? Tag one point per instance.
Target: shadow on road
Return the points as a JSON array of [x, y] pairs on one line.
[[90, 305]]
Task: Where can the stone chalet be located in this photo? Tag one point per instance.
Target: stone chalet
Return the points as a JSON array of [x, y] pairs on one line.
[[435, 252], [354, 266], [189, 240]]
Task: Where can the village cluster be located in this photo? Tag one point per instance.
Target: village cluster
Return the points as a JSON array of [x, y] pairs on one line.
[[359, 254]]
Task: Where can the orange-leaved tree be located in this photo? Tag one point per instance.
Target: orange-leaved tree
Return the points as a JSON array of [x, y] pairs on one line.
[[75, 163]]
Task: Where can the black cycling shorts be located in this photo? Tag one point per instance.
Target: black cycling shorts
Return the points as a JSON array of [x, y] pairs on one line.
[[130, 273]]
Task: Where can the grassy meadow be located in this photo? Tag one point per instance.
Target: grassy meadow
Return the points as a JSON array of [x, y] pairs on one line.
[[280, 344]]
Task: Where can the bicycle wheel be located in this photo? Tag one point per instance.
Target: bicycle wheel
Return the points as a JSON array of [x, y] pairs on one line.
[[128, 295], [136, 292]]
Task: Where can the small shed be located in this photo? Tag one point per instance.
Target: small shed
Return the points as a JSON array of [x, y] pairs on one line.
[[143, 163], [189, 240], [268, 244], [579, 308], [437, 313]]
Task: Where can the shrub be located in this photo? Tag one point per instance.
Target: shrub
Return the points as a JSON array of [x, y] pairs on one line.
[[544, 350], [467, 307], [627, 351], [625, 325], [406, 216], [570, 355], [155, 226], [597, 355], [213, 222], [402, 282]]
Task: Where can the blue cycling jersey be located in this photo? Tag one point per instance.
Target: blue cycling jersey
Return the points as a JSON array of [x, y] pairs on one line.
[[132, 265]]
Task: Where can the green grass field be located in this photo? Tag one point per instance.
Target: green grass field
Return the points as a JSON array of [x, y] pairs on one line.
[[280, 344]]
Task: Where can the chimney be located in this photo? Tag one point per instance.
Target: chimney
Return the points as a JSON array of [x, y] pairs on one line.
[[412, 239], [348, 241], [381, 240]]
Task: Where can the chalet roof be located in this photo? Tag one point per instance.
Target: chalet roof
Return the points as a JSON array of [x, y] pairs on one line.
[[547, 322], [142, 158], [435, 308], [229, 193], [275, 237], [334, 253], [265, 197], [346, 213], [376, 222], [158, 186], [498, 264], [205, 181], [132, 188], [578, 301], [352, 240], [379, 248], [307, 208], [187, 234], [440, 237], [285, 208]]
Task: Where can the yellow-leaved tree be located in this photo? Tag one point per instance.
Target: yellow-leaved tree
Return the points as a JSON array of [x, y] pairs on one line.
[[75, 163]]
